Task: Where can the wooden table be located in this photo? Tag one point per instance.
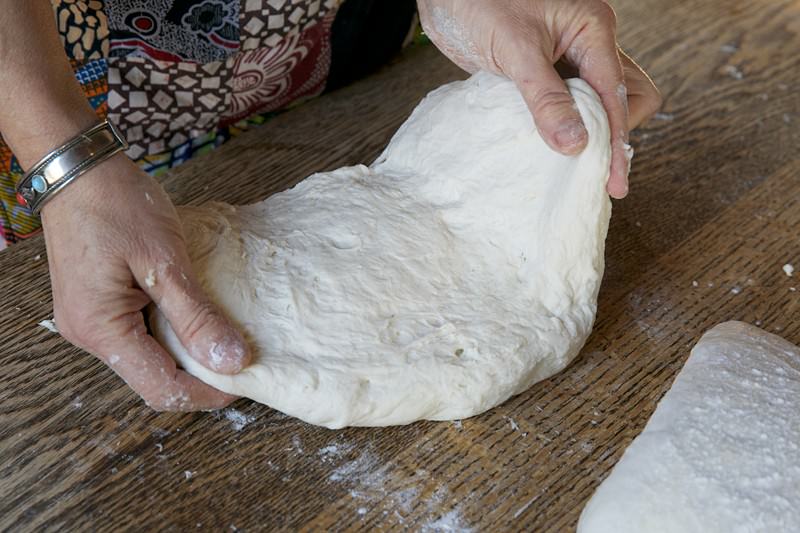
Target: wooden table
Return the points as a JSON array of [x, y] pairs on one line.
[[713, 215]]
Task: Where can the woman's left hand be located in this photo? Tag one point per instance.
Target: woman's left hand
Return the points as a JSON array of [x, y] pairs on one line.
[[524, 39]]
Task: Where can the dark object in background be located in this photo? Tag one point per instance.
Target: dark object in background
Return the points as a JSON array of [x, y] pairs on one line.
[[365, 35]]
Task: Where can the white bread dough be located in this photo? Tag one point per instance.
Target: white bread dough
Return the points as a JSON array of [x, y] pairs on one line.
[[456, 271], [721, 453]]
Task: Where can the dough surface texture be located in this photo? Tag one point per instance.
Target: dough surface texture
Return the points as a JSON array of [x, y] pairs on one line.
[[721, 452], [454, 272]]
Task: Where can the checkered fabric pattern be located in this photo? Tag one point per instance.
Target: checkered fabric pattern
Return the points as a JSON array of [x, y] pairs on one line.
[[180, 77]]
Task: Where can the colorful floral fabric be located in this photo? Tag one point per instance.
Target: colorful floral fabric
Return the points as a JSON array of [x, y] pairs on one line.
[[179, 77]]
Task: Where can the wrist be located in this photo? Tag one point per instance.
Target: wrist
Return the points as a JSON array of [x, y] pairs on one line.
[[31, 144], [62, 165], [95, 187]]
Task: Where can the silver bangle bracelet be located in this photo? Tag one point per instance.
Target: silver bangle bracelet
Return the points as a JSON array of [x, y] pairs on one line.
[[58, 168]]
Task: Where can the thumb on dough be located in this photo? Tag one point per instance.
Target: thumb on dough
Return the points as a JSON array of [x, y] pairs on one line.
[[551, 104], [149, 370], [208, 336]]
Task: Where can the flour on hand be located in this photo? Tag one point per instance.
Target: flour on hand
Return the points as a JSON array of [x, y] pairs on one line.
[[454, 272], [720, 453]]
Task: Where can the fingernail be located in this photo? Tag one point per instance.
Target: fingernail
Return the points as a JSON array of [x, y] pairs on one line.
[[228, 354], [572, 136], [618, 194]]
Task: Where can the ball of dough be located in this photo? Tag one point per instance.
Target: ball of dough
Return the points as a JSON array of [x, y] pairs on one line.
[[454, 272]]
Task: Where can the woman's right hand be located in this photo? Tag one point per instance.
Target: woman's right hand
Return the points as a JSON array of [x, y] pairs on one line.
[[525, 40], [114, 244]]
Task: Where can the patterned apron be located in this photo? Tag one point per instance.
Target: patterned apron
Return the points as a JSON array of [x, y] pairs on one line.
[[180, 77]]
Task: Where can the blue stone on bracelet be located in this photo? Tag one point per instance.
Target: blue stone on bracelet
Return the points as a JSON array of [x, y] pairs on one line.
[[39, 184]]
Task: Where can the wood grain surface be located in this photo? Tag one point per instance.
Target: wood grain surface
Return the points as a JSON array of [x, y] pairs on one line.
[[713, 215]]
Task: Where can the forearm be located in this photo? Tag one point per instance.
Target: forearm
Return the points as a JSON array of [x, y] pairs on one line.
[[41, 103]]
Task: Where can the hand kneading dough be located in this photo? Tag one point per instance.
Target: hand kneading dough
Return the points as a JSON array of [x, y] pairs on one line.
[[457, 270], [721, 453]]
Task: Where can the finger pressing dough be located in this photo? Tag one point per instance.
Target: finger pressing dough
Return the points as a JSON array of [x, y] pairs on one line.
[[454, 272], [721, 453]]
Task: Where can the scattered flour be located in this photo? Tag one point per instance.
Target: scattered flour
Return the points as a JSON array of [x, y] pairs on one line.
[[49, 324], [161, 433], [734, 72], [334, 451], [297, 445], [450, 521], [788, 269], [370, 480], [238, 419], [363, 470], [664, 116], [729, 48], [512, 422], [150, 279], [188, 474], [77, 403]]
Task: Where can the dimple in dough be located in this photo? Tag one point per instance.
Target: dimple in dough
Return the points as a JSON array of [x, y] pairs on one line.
[[454, 272], [721, 453]]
